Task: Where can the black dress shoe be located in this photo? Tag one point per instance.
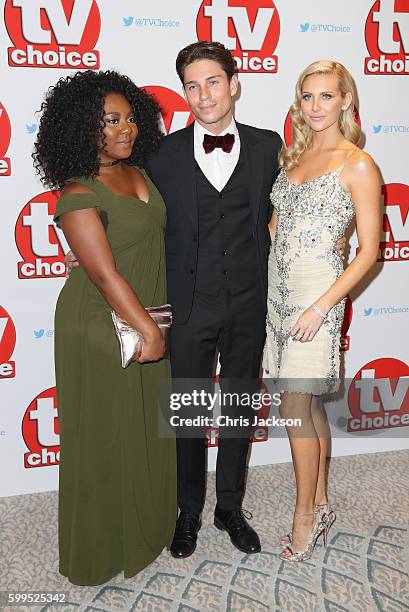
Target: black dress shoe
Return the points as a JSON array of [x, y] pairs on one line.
[[241, 534], [184, 540]]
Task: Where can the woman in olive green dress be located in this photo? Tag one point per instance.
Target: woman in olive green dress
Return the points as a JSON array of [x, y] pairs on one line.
[[117, 500]]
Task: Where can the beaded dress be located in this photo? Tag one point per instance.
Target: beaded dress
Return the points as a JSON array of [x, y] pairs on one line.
[[303, 264]]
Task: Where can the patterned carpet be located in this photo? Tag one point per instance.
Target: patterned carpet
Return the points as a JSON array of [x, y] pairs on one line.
[[364, 567]]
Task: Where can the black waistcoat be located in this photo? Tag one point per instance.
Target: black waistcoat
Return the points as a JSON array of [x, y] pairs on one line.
[[227, 250]]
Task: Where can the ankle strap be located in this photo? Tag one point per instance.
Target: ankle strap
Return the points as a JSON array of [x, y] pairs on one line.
[[305, 513]]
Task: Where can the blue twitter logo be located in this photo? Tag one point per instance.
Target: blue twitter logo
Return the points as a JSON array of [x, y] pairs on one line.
[[367, 311], [38, 333], [304, 27], [127, 21], [376, 129], [31, 128]]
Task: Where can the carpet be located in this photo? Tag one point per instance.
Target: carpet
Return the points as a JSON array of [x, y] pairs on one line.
[[364, 568]]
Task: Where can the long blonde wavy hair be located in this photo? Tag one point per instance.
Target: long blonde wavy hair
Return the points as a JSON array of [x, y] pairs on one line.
[[301, 132]]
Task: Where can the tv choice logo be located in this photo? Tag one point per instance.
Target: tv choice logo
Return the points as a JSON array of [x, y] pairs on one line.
[[41, 244], [378, 396], [345, 340], [249, 28], [7, 345], [175, 112], [5, 137], [53, 33], [40, 429], [387, 38], [394, 245], [288, 130]]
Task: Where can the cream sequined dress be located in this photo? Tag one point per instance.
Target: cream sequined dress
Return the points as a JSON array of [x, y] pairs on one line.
[[302, 265]]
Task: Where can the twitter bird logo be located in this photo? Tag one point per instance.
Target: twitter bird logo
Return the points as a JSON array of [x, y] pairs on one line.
[[31, 128], [367, 311], [376, 129], [38, 333], [304, 27], [127, 21]]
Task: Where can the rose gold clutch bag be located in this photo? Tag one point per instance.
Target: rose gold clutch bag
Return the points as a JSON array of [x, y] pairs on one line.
[[131, 340]]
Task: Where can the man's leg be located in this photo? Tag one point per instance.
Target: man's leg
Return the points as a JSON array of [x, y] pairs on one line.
[[241, 345], [193, 351]]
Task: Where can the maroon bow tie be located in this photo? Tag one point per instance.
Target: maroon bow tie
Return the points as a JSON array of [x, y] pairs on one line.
[[210, 143]]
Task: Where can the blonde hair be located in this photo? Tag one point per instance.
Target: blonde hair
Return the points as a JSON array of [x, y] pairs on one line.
[[301, 132]]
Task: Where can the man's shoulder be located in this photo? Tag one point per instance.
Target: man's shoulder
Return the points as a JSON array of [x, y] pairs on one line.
[[159, 163], [272, 137], [176, 137]]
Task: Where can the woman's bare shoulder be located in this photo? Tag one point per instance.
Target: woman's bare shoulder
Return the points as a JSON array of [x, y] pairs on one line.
[[360, 161], [73, 188]]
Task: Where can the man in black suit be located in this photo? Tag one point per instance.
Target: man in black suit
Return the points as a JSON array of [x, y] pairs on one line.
[[215, 177]]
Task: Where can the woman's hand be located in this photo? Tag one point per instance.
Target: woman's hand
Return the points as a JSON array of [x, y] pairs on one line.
[[153, 347], [307, 325], [71, 262], [340, 246]]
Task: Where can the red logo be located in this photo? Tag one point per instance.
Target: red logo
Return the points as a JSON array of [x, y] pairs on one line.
[[41, 432], [53, 33], [40, 243], [378, 396], [7, 344], [395, 243], [345, 341], [175, 111], [288, 130], [249, 28], [5, 136], [387, 38]]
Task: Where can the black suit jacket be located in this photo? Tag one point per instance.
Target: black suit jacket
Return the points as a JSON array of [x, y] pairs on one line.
[[172, 170]]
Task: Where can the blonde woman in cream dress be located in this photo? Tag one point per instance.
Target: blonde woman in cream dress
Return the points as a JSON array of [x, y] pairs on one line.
[[325, 181]]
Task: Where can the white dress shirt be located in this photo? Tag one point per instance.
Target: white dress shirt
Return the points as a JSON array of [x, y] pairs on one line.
[[217, 166]]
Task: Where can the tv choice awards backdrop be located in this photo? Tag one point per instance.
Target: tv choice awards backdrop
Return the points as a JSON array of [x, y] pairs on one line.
[[43, 40]]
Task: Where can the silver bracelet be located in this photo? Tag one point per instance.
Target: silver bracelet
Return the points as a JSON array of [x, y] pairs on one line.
[[318, 311]]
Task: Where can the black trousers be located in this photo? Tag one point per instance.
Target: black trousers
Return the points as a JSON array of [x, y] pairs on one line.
[[235, 325]]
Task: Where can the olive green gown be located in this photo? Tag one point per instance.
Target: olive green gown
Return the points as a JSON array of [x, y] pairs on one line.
[[117, 499]]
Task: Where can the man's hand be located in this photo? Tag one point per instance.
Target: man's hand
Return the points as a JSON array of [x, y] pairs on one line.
[[340, 246], [71, 262]]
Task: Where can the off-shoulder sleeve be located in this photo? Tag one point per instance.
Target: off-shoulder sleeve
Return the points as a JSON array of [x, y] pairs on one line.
[[76, 201]]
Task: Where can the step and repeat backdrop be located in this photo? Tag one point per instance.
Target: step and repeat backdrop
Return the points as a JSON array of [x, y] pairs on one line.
[[42, 40]]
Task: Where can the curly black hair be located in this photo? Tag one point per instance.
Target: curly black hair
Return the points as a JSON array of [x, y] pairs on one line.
[[72, 122]]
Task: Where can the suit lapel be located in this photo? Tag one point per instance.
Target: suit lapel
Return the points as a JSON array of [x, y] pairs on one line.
[[186, 165], [254, 159]]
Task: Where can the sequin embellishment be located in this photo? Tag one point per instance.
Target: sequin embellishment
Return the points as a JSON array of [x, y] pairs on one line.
[[303, 264]]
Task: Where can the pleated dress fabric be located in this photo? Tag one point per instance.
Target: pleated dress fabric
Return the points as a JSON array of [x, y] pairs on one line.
[[117, 493]]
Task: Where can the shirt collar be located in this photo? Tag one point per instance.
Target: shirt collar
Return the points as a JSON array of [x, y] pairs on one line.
[[200, 131]]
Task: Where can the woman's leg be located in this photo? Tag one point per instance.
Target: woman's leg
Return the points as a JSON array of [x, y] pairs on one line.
[[305, 450], [321, 426]]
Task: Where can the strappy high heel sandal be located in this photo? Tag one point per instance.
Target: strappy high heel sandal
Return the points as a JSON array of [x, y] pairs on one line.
[[328, 516], [305, 554]]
